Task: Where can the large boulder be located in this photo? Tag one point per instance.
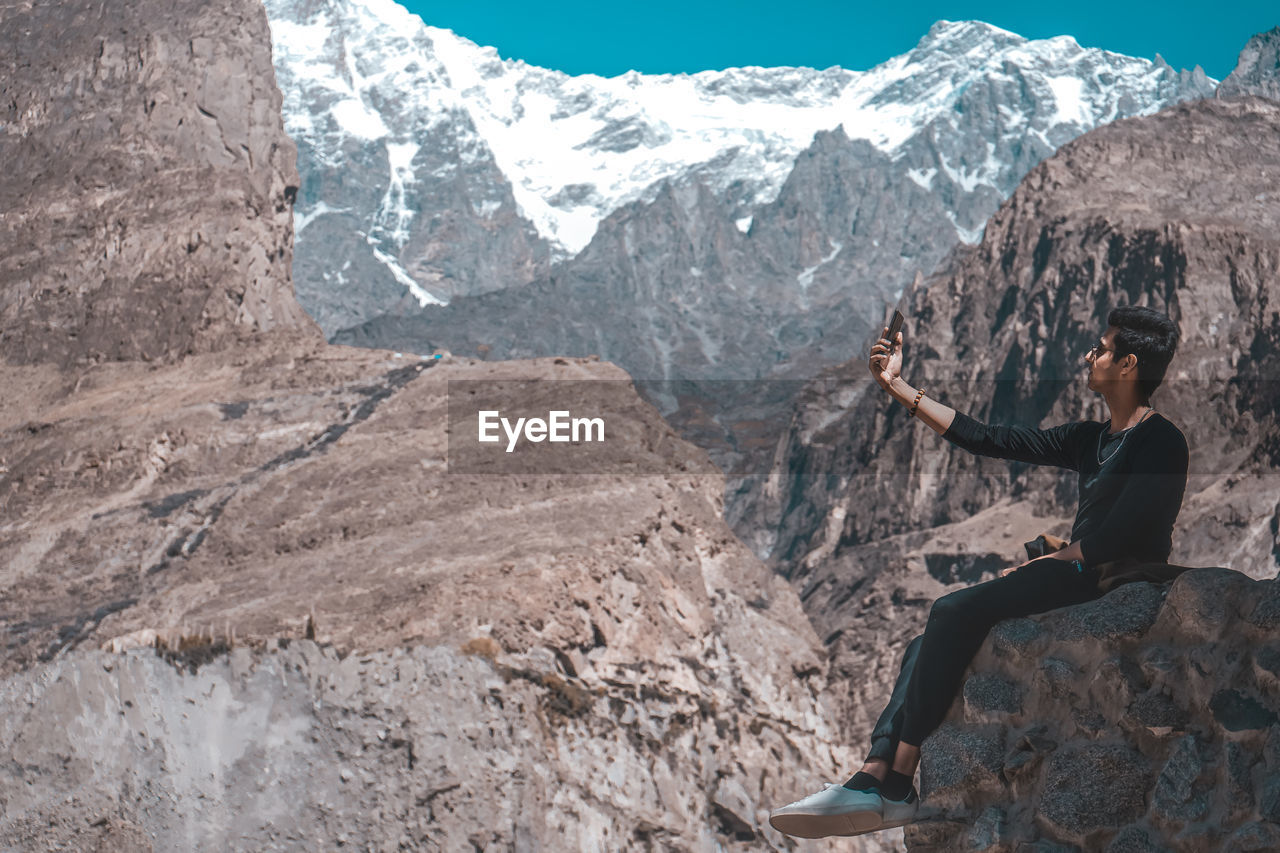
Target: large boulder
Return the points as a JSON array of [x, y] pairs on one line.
[[1148, 719]]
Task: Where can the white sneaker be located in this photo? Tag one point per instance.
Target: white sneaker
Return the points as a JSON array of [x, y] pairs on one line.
[[899, 812], [835, 810]]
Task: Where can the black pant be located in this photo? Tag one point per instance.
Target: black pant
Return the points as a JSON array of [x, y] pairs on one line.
[[934, 663]]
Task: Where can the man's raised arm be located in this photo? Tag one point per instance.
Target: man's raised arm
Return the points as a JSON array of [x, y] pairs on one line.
[[936, 415], [1056, 446]]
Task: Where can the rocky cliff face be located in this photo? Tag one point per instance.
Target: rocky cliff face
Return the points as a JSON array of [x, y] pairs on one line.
[[511, 659], [1147, 720], [482, 660], [1175, 210], [1257, 71], [872, 516], [148, 183]]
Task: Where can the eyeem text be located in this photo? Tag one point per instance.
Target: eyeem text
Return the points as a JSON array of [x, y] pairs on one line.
[[558, 426]]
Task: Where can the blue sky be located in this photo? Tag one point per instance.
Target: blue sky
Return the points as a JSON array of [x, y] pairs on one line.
[[665, 36]]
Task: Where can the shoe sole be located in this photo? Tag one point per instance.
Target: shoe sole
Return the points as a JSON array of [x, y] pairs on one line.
[[823, 826], [881, 826]]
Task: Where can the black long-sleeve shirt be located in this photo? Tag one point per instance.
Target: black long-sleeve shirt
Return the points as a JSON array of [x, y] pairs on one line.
[[1131, 483]]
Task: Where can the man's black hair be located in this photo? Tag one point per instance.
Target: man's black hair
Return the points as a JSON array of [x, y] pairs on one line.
[[1149, 335]]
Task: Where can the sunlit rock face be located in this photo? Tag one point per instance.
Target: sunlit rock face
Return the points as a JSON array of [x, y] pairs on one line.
[[359, 645], [148, 186]]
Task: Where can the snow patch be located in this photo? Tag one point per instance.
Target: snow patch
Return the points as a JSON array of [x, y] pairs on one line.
[[1068, 95], [302, 220], [805, 278], [424, 298], [972, 236], [394, 214], [923, 177], [358, 120]]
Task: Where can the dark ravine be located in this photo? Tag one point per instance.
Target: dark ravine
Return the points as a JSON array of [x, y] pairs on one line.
[[1173, 210]]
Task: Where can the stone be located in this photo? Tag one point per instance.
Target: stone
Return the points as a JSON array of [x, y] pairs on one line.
[[1088, 721], [1045, 846], [1203, 600], [1269, 798], [1117, 679], [1053, 678], [1238, 711], [1015, 636], [992, 832], [1155, 709], [1028, 750], [1127, 611], [1094, 786], [1133, 839], [1157, 661], [934, 834], [1271, 749], [956, 760], [1176, 797], [1268, 660], [1237, 779], [1255, 837], [1265, 613], [990, 698]]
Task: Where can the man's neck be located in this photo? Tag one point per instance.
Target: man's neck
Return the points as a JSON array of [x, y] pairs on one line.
[[1125, 415]]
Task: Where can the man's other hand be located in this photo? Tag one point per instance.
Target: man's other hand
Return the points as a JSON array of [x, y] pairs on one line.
[[1012, 569]]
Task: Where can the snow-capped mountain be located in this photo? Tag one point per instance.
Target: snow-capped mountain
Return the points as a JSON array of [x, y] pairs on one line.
[[462, 172]]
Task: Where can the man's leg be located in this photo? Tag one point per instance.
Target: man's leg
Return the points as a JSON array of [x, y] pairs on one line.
[[884, 737], [958, 624]]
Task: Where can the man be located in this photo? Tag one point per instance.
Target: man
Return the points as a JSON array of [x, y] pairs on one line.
[[1133, 472]]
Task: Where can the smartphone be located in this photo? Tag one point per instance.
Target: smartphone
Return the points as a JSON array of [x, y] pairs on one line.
[[895, 325]]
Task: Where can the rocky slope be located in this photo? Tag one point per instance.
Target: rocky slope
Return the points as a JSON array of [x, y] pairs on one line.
[[482, 660], [148, 184], [639, 672], [1148, 720]]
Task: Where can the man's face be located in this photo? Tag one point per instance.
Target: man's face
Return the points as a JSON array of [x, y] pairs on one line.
[[1103, 366]]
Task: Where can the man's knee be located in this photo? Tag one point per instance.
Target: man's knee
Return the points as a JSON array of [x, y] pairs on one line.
[[949, 606]]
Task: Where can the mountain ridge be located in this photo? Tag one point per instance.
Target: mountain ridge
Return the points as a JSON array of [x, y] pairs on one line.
[[553, 168]]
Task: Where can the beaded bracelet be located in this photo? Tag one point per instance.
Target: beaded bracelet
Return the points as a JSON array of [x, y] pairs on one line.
[[919, 394]]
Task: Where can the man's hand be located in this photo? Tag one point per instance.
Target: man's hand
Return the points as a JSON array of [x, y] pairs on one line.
[[1012, 569], [886, 359]]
